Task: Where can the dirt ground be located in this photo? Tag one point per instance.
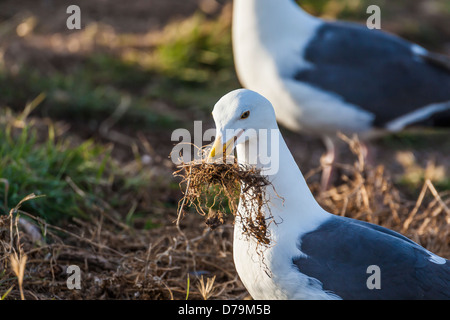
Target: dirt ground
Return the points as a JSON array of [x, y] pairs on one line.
[[138, 16], [119, 262]]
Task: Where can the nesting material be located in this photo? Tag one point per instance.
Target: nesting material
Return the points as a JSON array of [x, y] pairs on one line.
[[370, 194], [214, 190]]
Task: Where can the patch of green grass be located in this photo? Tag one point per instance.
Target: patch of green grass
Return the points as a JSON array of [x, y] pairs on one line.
[[412, 184], [417, 140], [187, 69], [443, 184], [315, 7], [85, 95], [426, 141], [193, 63], [195, 49], [72, 177], [150, 224], [102, 69], [415, 175]]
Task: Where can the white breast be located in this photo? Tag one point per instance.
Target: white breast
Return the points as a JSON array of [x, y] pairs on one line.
[[268, 273]]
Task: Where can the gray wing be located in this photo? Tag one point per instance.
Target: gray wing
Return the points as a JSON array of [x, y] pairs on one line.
[[340, 251], [378, 72]]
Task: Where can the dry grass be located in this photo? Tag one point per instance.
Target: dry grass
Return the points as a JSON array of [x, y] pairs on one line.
[[224, 182], [368, 193], [122, 262], [117, 261]]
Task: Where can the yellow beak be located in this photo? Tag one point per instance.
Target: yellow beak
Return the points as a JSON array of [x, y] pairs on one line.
[[220, 148]]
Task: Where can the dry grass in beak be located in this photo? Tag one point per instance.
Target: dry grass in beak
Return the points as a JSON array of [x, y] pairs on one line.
[[214, 189]]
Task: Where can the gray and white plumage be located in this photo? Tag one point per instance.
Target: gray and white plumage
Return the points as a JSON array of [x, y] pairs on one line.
[[380, 73], [407, 270], [323, 77], [313, 254]]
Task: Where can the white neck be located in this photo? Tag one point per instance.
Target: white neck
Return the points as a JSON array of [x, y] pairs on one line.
[[292, 196], [270, 18], [264, 11], [263, 27]]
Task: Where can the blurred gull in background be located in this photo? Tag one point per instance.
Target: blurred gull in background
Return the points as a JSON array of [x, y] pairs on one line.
[[323, 77]]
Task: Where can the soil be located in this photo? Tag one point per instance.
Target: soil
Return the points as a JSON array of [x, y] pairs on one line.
[[121, 263]]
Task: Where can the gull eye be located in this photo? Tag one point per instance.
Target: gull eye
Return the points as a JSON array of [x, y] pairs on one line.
[[245, 115]]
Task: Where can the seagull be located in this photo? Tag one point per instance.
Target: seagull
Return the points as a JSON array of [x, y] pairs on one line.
[[325, 77], [312, 254]]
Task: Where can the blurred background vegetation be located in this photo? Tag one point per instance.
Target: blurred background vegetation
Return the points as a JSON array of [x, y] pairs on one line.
[[86, 115]]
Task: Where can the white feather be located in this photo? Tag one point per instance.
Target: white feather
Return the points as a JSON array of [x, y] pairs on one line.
[[416, 116]]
